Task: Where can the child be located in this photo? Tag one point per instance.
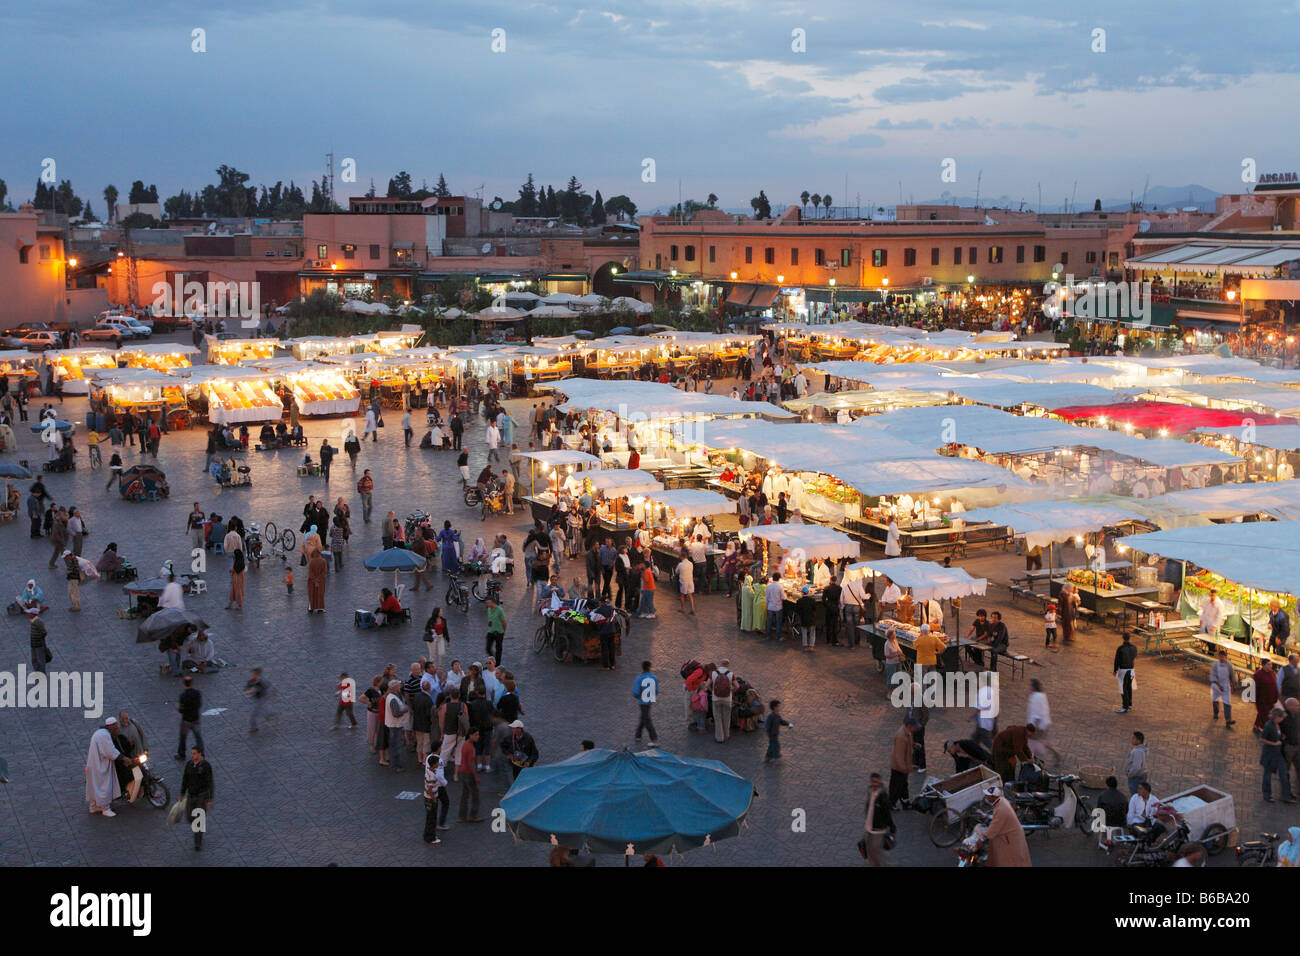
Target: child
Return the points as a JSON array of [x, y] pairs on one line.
[[773, 725], [288, 579], [346, 693], [1049, 618], [114, 469]]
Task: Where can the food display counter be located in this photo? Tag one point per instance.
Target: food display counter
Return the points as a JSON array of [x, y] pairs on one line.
[[231, 395], [1101, 592], [1247, 607], [136, 390], [19, 365], [70, 367], [158, 356], [234, 351], [312, 348], [322, 391]]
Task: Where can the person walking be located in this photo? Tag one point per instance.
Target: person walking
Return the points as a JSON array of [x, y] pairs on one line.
[[496, 629], [197, 790], [437, 637], [645, 608], [900, 761], [338, 540], [723, 686], [1039, 716], [1271, 740], [366, 489], [58, 536], [436, 801], [190, 706], [467, 774], [397, 717], [1004, 835], [345, 693], [72, 571], [371, 426], [237, 568], [407, 432], [76, 530], [1221, 677], [317, 569], [259, 692], [878, 825], [36, 636], [646, 690], [1265, 694], [1122, 666], [773, 724], [327, 453]]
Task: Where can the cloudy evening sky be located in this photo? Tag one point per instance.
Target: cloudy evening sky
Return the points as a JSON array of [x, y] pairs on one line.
[[711, 90]]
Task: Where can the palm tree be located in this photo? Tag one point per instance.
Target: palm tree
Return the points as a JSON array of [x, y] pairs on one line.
[[826, 201], [110, 197], [712, 200], [803, 198], [816, 201]]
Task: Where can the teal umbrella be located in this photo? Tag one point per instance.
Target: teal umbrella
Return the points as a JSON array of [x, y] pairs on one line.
[[395, 560], [616, 801]]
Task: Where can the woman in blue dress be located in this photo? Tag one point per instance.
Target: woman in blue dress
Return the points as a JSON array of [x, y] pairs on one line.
[[449, 543]]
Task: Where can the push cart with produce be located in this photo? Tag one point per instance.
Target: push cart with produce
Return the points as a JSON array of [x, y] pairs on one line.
[[955, 802], [573, 636]]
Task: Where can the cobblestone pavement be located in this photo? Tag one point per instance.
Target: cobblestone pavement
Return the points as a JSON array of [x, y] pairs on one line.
[[297, 793]]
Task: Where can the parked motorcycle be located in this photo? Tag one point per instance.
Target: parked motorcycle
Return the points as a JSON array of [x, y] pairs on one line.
[[253, 549], [1157, 844], [1262, 852], [973, 852], [1039, 810]]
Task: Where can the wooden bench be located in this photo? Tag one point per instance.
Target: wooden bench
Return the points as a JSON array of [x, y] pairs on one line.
[[1084, 616]]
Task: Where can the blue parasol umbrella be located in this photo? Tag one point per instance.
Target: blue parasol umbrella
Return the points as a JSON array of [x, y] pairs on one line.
[[583, 334], [9, 470], [616, 801], [59, 423], [395, 560], [620, 330]]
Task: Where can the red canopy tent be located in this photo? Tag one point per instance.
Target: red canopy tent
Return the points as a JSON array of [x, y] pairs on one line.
[[1168, 416]]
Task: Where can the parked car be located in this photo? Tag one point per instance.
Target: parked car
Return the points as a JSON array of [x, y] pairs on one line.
[[141, 330], [103, 332], [169, 323], [37, 341], [123, 323]]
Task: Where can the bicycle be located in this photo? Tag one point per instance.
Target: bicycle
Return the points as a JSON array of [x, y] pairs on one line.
[[544, 635], [281, 543], [457, 594]]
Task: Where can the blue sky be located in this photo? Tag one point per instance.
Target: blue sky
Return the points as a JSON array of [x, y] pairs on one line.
[[712, 91]]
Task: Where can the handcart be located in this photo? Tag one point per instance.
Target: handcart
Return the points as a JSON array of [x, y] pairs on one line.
[[1210, 816], [956, 803]]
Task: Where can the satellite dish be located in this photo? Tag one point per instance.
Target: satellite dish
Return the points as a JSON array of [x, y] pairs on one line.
[[487, 247], [1144, 225], [551, 224]]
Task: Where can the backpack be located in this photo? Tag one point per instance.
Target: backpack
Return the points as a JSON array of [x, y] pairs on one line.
[[689, 668], [700, 701], [721, 685]]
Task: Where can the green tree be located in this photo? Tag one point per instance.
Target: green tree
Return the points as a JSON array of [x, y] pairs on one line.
[[67, 199], [88, 214], [620, 207], [441, 190], [527, 206], [598, 210], [713, 201], [761, 205], [138, 193], [550, 206], [803, 199], [826, 201], [139, 220], [400, 185], [4, 192], [43, 197], [110, 200], [571, 200], [816, 202]]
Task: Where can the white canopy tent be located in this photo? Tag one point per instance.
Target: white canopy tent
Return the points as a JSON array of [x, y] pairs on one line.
[[552, 312], [927, 580], [1043, 523], [1278, 437], [559, 298], [652, 401], [933, 473], [625, 303], [693, 502], [559, 457], [816, 541], [1263, 555], [620, 482]]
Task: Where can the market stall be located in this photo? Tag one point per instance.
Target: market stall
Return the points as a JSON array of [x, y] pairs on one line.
[[139, 391], [20, 367], [221, 351], [547, 472], [1249, 565], [312, 348], [69, 368], [922, 582], [797, 552], [158, 356], [317, 388], [232, 395]]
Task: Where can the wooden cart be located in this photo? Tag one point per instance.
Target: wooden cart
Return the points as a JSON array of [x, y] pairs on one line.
[[956, 801], [1210, 815]]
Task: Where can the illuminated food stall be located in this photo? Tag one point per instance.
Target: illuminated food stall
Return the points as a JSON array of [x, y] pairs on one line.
[[20, 366], [70, 367], [234, 351], [400, 340], [232, 395], [139, 391], [312, 348], [672, 515], [158, 356], [1249, 564], [319, 389], [921, 582], [612, 490], [803, 556], [539, 363], [547, 472], [414, 371]]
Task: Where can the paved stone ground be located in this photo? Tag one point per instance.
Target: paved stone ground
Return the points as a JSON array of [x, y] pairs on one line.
[[297, 793]]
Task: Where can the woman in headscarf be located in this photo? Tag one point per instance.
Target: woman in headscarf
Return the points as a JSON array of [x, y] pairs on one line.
[[436, 636], [237, 580], [478, 553], [312, 544], [110, 561], [32, 595], [729, 567], [449, 548], [317, 568]]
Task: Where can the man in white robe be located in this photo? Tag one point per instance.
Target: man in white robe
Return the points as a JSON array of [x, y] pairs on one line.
[[102, 786]]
